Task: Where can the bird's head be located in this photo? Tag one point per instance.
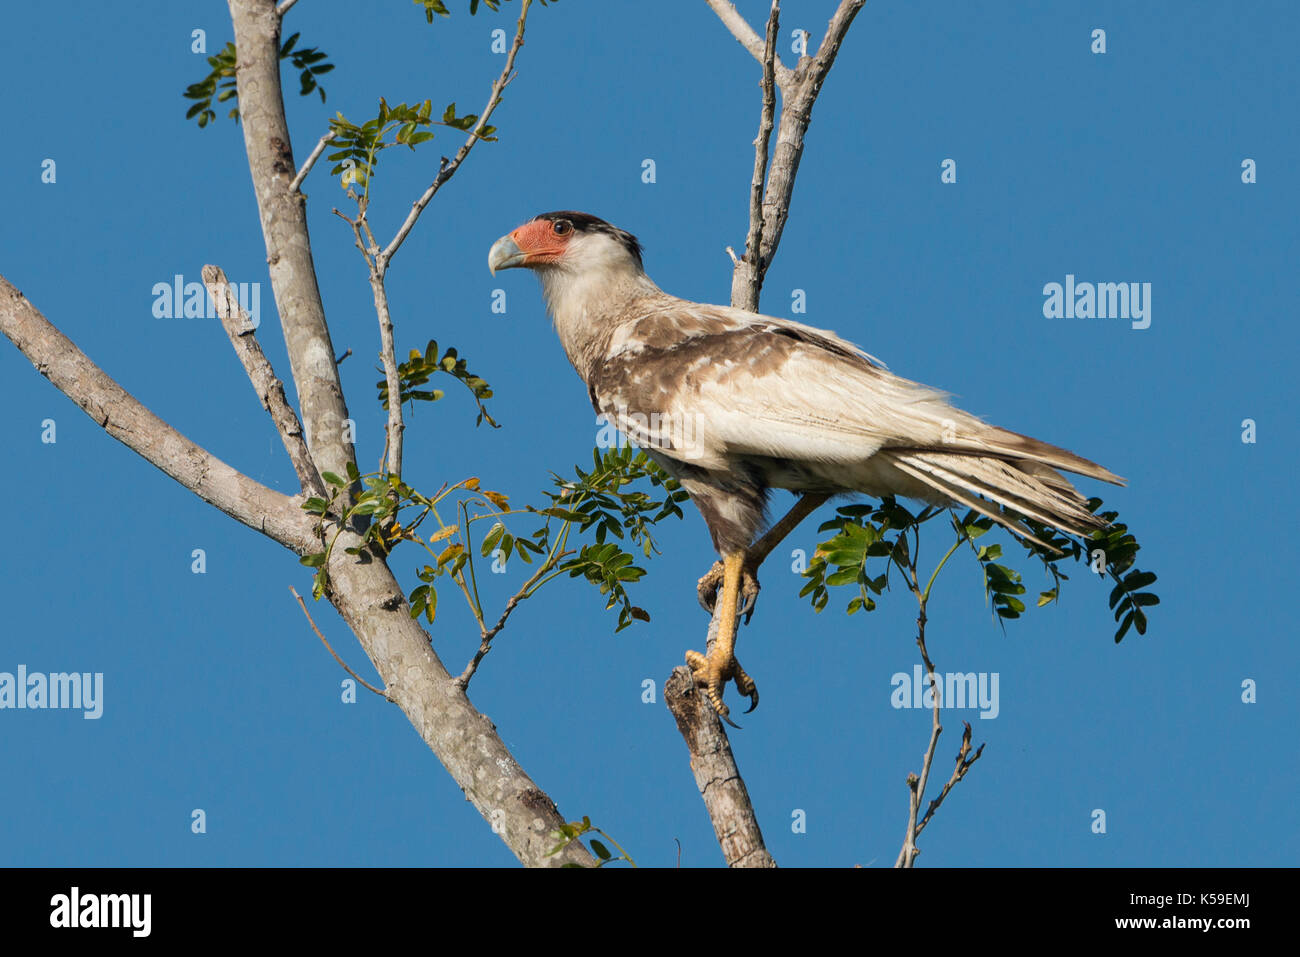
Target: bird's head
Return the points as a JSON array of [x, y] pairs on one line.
[[569, 242], [588, 269]]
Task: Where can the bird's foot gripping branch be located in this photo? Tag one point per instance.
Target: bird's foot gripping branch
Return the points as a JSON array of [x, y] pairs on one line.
[[712, 672]]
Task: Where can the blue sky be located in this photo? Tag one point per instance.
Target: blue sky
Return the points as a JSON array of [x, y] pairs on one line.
[[1117, 167]]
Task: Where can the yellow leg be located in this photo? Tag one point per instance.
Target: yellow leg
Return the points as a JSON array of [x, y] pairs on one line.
[[754, 555], [737, 573], [713, 672]]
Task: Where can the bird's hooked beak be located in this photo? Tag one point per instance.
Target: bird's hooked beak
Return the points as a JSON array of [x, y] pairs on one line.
[[505, 254]]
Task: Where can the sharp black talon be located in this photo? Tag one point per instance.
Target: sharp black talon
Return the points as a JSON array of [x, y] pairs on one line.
[[730, 722], [753, 702]]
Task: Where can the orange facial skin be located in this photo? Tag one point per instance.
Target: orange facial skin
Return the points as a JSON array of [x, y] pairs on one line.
[[543, 240]]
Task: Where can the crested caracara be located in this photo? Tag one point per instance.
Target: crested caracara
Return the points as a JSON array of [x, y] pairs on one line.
[[733, 404]]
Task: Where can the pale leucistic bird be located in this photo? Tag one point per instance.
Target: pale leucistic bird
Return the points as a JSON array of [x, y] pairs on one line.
[[733, 404]]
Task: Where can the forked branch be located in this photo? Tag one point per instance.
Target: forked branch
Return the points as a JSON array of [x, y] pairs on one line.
[[724, 792], [242, 334]]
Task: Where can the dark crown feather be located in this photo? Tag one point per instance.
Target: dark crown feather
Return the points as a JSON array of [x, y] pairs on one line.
[[587, 223]]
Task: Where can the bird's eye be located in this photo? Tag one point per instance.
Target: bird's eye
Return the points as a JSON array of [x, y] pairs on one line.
[[562, 227]]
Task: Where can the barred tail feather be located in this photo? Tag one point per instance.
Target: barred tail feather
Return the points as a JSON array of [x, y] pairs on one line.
[[1028, 486]]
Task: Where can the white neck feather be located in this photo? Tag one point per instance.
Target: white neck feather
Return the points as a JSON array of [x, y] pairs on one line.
[[585, 293]]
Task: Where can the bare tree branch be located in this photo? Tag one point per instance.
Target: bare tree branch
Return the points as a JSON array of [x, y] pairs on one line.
[[378, 260], [964, 761], [841, 20], [284, 229], [311, 159], [750, 40], [241, 331], [449, 167], [746, 273], [365, 592], [487, 634], [716, 775], [396, 425], [122, 416], [370, 252], [916, 785], [698, 722], [283, 8], [797, 99], [466, 742], [334, 654], [361, 586]]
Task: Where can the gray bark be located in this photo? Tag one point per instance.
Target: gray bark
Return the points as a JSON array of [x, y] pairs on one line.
[[366, 593], [712, 762], [121, 415], [284, 229], [716, 773]]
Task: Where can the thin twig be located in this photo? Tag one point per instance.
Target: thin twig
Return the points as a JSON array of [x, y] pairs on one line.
[[283, 8], [240, 330], [449, 167], [487, 634], [796, 115], [917, 785], [356, 231], [750, 40], [364, 204], [378, 259], [799, 90], [383, 694], [485, 642], [395, 427], [469, 557], [959, 772], [754, 243], [312, 157]]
